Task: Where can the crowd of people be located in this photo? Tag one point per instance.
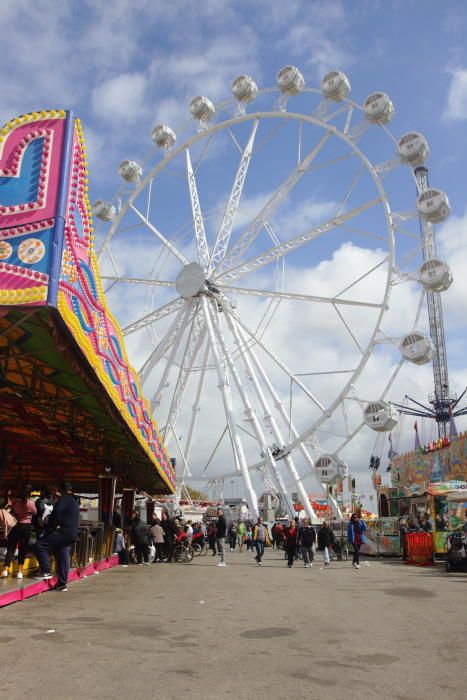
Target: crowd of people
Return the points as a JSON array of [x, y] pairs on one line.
[[54, 519]]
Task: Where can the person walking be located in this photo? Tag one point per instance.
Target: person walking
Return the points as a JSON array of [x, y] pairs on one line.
[[221, 529], [249, 537], [23, 509], [62, 531], [241, 534], [232, 535], [291, 535], [261, 539], [212, 534], [157, 534], [325, 541], [306, 539], [356, 537], [139, 535]]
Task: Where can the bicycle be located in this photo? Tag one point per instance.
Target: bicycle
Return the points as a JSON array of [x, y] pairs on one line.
[[200, 550], [183, 554]]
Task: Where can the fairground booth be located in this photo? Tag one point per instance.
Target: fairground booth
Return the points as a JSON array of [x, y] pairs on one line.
[[431, 479], [71, 406]]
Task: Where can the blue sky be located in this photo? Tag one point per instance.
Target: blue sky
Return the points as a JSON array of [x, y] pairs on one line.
[[126, 65]]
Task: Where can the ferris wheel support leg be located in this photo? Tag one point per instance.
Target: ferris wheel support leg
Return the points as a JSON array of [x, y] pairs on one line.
[[241, 338], [193, 346], [228, 407], [251, 415], [164, 344], [196, 405], [163, 380]]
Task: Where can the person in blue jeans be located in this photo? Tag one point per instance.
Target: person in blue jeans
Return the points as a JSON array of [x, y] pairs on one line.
[[356, 537], [62, 531], [261, 539]]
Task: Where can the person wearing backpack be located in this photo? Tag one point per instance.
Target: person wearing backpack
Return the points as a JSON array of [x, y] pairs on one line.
[[306, 539], [44, 507], [61, 532], [23, 509]]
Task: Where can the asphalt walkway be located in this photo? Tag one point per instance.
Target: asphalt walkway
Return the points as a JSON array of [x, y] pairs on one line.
[[197, 631]]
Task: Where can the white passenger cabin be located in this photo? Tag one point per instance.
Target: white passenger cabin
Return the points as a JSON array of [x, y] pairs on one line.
[[105, 211], [417, 348], [380, 416], [435, 275], [130, 171], [290, 81], [163, 136], [412, 148], [202, 108], [244, 88], [378, 108], [335, 85], [433, 206]]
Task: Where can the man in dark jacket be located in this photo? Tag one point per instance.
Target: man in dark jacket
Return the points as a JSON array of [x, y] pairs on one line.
[[140, 538], [61, 532], [221, 529], [325, 541], [306, 538]]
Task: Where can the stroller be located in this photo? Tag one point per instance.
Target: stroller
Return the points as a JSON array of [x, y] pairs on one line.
[[456, 557]]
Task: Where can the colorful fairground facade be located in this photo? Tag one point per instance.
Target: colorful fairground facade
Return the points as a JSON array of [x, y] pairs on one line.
[[430, 479], [70, 403]]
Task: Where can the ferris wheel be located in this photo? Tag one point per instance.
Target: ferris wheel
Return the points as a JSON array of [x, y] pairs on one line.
[[251, 256]]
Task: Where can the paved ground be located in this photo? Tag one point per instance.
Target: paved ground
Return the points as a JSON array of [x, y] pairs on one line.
[[201, 632]]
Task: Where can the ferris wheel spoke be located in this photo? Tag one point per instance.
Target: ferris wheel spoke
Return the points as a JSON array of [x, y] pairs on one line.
[[259, 341], [139, 280], [297, 297], [224, 386], [351, 188], [195, 409], [159, 235], [348, 329], [193, 346], [159, 313], [187, 317], [362, 277], [228, 219], [294, 243], [270, 422], [252, 231], [175, 330], [203, 251]]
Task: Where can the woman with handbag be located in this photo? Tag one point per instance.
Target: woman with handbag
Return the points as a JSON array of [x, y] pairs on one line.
[[23, 509]]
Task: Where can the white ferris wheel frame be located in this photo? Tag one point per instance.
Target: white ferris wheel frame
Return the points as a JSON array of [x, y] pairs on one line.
[[209, 333]]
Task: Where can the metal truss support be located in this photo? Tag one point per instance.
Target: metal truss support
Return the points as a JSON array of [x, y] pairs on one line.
[[200, 233], [225, 229], [193, 346], [252, 417], [266, 214], [228, 407], [196, 405], [441, 400], [268, 417], [176, 327]]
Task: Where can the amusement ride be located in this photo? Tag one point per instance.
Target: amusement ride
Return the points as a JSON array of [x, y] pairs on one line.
[[253, 251]]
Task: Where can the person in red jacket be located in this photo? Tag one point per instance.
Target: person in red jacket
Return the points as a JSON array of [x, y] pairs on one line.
[[291, 534]]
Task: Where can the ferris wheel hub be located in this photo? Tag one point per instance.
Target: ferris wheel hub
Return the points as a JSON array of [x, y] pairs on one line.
[[191, 280]]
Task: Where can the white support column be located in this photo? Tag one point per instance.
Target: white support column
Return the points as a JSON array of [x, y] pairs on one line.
[[155, 401], [228, 407], [203, 251], [176, 327], [252, 417], [281, 408], [195, 408], [269, 418]]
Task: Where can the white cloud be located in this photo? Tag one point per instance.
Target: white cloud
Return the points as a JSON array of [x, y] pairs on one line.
[[120, 99], [456, 108]]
